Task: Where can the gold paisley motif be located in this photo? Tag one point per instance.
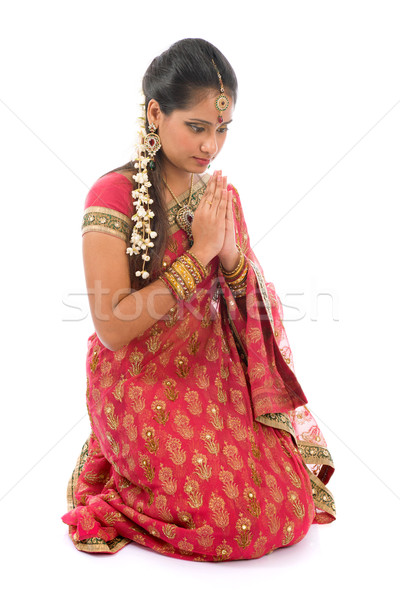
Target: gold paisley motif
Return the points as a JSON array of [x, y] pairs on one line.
[[192, 489], [202, 469], [135, 358], [208, 437], [275, 491], [128, 423], [163, 511], [288, 532], [194, 405], [174, 447], [233, 457], [152, 441], [160, 413], [193, 344], [145, 464], [214, 416], [239, 431], [253, 506], [230, 488], [150, 374], [219, 513], [223, 551], [273, 521], [183, 426], [170, 391], [297, 506], [243, 526], [181, 363], [119, 389], [135, 394], [205, 536], [168, 482], [201, 377], [238, 401]]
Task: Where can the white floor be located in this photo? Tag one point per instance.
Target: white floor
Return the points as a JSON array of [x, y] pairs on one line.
[[356, 554]]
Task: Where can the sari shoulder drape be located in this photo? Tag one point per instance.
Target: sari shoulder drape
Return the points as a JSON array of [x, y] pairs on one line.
[[277, 397]]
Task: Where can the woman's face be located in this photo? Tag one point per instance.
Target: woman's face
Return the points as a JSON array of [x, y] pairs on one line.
[[191, 138]]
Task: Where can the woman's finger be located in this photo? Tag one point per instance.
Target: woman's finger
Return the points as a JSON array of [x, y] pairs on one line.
[[218, 189], [222, 203], [210, 189]]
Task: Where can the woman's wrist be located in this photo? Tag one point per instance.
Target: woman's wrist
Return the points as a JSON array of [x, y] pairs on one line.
[[236, 278], [199, 253], [230, 263]]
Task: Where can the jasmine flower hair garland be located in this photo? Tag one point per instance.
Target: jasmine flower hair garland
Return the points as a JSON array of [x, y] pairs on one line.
[[142, 233]]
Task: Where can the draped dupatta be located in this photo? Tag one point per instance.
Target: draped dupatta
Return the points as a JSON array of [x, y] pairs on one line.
[[277, 397]]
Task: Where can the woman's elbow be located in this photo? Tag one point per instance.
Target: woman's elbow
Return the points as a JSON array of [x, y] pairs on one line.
[[111, 339]]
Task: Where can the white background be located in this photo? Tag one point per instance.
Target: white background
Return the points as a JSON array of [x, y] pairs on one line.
[[314, 153]]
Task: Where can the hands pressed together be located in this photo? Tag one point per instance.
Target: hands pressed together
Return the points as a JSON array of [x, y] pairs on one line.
[[213, 226]]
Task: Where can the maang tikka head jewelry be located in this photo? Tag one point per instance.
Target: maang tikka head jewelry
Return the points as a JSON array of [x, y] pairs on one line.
[[222, 101], [142, 234]]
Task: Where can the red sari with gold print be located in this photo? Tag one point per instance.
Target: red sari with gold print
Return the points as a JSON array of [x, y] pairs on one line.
[[202, 447]]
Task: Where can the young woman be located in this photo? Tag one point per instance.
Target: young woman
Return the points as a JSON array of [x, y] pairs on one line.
[[201, 446]]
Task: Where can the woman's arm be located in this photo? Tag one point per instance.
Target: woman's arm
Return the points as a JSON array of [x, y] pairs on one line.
[[118, 314]]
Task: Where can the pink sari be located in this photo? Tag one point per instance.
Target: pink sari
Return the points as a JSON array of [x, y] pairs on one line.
[[202, 447]]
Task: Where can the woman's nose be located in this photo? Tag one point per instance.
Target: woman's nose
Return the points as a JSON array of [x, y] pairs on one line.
[[209, 145]]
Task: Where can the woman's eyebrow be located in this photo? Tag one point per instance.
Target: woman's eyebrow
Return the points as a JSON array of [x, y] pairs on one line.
[[208, 122]]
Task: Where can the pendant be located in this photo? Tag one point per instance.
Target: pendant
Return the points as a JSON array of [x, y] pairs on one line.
[[184, 219]]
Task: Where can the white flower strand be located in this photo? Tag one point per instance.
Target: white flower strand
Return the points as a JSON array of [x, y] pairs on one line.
[[142, 233]]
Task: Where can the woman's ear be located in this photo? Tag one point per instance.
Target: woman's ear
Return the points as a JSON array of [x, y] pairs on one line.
[[153, 112]]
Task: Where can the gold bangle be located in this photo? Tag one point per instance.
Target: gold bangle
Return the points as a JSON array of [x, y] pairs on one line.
[[194, 257], [192, 267], [237, 269], [185, 274], [239, 279]]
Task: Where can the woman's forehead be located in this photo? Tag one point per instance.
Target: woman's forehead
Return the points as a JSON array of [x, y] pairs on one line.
[[204, 107]]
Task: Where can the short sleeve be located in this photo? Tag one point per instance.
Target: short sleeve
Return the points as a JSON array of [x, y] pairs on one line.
[[108, 206]]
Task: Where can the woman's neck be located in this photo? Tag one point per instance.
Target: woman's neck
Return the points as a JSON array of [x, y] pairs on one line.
[[177, 179]]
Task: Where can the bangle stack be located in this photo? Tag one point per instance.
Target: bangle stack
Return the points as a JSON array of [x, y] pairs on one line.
[[237, 279], [185, 273]]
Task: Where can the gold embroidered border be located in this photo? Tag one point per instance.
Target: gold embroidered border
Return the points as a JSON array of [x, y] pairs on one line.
[[323, 498], [310, 454], [107, 220], [236, 337], [264, 292], [279, 421], [91, 544], [313, 454]]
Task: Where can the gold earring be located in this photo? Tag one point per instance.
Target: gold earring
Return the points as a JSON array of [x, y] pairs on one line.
[[152, 144]]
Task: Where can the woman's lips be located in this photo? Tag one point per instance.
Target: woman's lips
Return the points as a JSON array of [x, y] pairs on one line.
[[202, 161]]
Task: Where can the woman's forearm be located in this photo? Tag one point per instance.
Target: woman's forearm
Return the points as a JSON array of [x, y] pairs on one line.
[[137, 312]]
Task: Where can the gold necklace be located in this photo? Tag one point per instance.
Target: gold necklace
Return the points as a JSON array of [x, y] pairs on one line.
[[185, 214]]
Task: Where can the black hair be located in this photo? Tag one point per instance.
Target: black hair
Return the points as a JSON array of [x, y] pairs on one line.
[[176, 79]]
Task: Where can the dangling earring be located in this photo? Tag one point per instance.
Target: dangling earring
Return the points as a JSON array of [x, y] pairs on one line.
[[152, 144]]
